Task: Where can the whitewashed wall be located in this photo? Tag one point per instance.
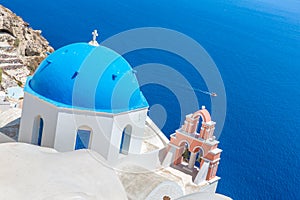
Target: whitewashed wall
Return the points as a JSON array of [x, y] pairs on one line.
[[61, 125], [70, 121], [33, 107], [137, 120]]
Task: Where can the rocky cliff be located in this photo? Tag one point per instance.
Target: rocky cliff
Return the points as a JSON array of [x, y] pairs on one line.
[[21, 49]]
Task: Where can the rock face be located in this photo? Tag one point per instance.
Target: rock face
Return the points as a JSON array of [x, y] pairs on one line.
[[21, 49]]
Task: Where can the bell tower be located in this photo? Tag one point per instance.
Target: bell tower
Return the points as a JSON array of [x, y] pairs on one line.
[[187, 147]]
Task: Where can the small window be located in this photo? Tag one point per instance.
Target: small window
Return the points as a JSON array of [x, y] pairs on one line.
[[37, 133], [125, 140], [82, 139], [41, 127]]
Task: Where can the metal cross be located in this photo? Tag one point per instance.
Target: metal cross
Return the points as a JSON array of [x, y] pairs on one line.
[[95, 34]]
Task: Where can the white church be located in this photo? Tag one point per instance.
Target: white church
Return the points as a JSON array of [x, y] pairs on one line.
[[85, 97]]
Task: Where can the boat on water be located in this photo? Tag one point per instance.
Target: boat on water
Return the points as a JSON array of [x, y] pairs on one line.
[[213, 94]]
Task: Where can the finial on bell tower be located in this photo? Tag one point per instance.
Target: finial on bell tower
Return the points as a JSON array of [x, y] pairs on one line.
[[94, 41]]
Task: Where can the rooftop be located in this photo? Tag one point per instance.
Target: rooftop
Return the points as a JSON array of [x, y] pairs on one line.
[[87, 77]]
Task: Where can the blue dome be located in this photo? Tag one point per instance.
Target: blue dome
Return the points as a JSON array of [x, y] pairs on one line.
[[87, 77]]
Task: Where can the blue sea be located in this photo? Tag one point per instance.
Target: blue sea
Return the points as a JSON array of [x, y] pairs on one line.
[[256, 47]]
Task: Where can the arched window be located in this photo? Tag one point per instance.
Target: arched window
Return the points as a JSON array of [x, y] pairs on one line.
[[198, 130], [199, 151], [83, 138], [37, 133], [125, 140], [185, 151]]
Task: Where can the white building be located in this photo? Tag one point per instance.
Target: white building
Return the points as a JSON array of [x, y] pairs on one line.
[[86, 96]]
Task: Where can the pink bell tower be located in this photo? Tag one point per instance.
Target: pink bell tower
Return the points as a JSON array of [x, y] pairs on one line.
[[202, 146]]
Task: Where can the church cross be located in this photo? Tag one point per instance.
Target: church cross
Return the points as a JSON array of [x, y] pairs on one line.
[[95, 34], [94, 41]]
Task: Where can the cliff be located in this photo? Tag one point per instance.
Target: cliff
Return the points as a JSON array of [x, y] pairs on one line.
[[21, 49]]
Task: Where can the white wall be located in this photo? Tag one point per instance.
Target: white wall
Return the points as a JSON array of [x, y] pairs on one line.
[[33, 107], [167, 188], [61, 125], [70, 121], [137, 121], [106, 132]]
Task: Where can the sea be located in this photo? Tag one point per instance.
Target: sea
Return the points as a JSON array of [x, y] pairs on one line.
[[255, 45]]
